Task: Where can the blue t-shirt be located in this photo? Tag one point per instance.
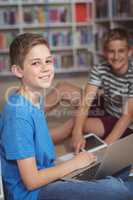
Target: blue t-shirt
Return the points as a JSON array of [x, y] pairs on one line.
[[24, 134], [0, 121]]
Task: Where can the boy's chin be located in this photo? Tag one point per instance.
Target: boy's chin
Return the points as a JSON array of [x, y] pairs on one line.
[[120, 70], [47, 85]]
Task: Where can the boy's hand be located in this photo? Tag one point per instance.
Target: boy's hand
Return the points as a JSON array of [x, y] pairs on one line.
[[109, 139], [78, 142], [84, 159]]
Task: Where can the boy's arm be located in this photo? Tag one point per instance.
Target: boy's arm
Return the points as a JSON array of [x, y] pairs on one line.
[[34, 178], [122, 123], [86, 102]]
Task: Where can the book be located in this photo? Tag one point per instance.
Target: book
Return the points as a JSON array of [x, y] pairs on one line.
[[81, 13], [84, 36], [131, 8], [63, 60], [6, 38], [101, 29], [40, 15], [34, 15], [84, 57], [60, 38], [2, 40], [121, 8], [8, 16], [57, 61], [67, 60], [102, 8], [57, 14]]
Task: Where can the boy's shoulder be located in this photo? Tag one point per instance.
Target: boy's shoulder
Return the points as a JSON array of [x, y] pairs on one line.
[[16, 105]]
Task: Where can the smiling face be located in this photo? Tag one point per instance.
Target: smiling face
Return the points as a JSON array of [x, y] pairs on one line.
[[38, 70], [117, 55]]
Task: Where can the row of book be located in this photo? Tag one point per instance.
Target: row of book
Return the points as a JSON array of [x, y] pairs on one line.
[[6, 39], [60, 38], [84, 36], [8, 16], [45, 14], [99, 37], [102, 8], [63, 61], [55, 37], [65, 38], [66, 60], [35, 14], [120, 8], [84, 58], [34, 1]]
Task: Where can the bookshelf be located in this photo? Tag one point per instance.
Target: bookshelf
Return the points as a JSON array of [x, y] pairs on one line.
[[66, 24], [74, 28]]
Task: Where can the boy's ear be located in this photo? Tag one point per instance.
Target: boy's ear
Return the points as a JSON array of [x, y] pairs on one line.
[[17, 71]]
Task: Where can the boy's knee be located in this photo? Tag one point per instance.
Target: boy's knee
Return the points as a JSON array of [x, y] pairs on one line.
[[118, 188]]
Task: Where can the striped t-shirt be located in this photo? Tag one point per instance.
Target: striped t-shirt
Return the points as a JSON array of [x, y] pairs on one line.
[[116, 88]]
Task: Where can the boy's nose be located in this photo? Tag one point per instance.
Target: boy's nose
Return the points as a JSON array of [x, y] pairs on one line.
[[45, 68], [116, 55]]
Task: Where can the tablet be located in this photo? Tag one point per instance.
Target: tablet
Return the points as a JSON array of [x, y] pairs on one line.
[[93, 143]]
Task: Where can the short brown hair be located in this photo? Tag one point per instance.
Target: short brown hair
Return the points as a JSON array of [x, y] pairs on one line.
[[115, 34], [22, 44]]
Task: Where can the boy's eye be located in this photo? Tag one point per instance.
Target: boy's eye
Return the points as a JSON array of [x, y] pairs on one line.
[[49, 61], [36, 63], [41, 63], [122, 51]]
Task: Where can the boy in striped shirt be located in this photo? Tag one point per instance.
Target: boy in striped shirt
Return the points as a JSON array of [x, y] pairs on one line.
[[115, 78]]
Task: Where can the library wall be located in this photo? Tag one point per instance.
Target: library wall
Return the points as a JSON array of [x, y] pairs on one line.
[[73, 28]]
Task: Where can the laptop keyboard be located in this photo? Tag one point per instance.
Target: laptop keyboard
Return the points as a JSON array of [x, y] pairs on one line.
[[87, 174]]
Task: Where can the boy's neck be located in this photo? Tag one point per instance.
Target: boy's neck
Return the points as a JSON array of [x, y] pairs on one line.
[[121, 72], [32, 96]]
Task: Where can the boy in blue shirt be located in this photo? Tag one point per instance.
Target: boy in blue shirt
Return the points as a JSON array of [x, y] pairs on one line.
[[27, 151]]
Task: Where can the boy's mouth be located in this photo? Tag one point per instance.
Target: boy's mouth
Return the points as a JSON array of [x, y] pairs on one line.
[[44, 77]]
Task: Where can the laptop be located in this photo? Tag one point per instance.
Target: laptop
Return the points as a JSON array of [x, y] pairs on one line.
[[111, 159]]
